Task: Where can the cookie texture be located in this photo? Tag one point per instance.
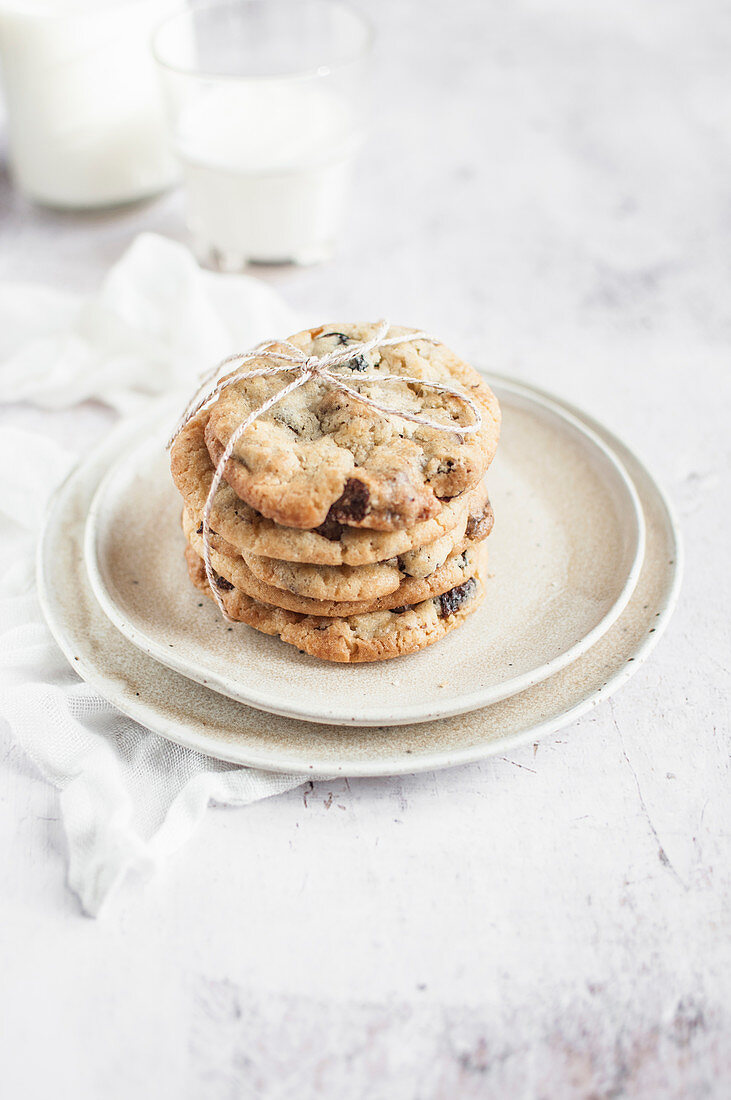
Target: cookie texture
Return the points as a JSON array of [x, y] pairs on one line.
[[350, 533], [322, 458], [458, 568], [251, 532], [376, 636], [366, 582]]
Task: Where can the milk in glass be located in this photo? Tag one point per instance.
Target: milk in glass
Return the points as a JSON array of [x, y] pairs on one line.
[[86, 122], [266, 166]]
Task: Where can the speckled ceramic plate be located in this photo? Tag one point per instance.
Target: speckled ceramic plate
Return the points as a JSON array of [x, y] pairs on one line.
[[565, 555], [191, 715]]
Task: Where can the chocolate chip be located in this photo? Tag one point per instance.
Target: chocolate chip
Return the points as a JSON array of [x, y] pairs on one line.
[[399, 610], [330, 529], [353, 504], [358, 362], [223, 584], [199, 529], [450, 601]]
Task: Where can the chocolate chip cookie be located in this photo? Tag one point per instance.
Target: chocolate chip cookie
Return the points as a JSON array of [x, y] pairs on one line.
[[250, 532], [232, 568], [353, 531], [376, 636], [363, 582], [321, 458]]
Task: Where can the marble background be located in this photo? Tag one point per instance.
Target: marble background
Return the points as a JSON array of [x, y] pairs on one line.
[[548, 186]]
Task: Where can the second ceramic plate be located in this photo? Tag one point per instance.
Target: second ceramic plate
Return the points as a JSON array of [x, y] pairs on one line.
[[564, 558]]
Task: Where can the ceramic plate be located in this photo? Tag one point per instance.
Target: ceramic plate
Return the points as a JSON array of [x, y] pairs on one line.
[[191, 715], [563, 560]]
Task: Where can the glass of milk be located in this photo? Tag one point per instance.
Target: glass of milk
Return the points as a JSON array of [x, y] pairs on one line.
[[266, 109], [86, 120]]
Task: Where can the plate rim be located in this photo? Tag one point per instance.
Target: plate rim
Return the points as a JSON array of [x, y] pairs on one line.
[[412, 713], [207, 745]]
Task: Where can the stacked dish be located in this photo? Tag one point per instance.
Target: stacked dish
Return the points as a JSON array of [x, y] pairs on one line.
[[584, 571]]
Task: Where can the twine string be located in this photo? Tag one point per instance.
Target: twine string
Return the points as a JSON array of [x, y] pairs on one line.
[[290, 359]]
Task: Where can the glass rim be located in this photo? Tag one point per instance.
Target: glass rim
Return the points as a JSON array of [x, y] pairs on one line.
[[288, 74]]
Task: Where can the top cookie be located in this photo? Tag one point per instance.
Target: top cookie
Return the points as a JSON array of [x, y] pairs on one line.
[[321, 457]]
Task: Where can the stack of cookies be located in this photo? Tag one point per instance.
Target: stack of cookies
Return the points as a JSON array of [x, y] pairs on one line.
[[353, 533]]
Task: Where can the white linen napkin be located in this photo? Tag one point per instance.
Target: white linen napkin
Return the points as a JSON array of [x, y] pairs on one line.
[[157, 320], [128, 797]]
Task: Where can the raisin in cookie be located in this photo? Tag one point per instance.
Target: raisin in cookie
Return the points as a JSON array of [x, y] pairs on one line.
[[231, 567], [320, 456], [250, 532], [377, 636]]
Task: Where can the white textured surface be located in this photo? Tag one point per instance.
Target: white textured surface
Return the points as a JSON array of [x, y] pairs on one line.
[[550, 925]]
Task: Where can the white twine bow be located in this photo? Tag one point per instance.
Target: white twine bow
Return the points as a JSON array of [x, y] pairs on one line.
[[293, 360]]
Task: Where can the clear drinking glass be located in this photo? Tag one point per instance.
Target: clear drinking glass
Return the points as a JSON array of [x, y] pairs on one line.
[[266, 107]]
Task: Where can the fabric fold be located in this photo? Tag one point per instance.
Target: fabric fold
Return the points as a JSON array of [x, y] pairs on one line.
[[128, 797]]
